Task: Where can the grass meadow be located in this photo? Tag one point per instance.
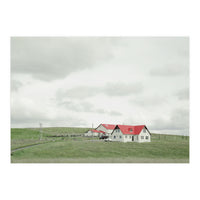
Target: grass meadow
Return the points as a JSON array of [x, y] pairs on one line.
[[57, 146]]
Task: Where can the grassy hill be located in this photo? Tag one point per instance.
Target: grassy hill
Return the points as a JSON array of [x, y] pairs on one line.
[[63, 130], [66, 149]]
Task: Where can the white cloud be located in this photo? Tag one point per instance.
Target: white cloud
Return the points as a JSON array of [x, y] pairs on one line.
[[79, 81], [15, 85]]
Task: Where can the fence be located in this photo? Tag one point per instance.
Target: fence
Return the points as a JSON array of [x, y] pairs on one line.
[[65, 135], [168, 137]]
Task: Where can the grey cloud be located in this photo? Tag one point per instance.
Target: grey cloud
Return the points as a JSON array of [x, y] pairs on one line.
[[81, 92], [183, 94], [85, 106], [110, 89], [158, 63], [68, 121], [179, 120], [22, 114], [23, 118], [70, 105], [82, 106], [101, 111], [115, 113], [112, 112], [122, 89], [51, 58], [172, 69], [159, 56], [172, 58], [148, 101], [23, 121], [31, 117], [79, 106]]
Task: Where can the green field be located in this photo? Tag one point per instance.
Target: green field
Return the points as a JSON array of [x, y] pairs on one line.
[[56, 145]]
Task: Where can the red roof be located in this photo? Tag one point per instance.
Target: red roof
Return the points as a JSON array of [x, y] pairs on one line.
[[93, 130], [133, 130], [109, 126]]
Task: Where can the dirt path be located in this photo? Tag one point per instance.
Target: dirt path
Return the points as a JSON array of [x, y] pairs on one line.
[[28, 146], [21, 148]]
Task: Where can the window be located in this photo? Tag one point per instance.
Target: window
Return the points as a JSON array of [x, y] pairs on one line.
[[144, 130], [142, 137], [120, 136], [125, 136], [147, 137], [130, 136]]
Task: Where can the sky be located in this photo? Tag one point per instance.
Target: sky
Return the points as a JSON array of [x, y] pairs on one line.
[[86, 81]]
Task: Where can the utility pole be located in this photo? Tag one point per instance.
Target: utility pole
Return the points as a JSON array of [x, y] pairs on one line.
[[40, 131], [92, 130]]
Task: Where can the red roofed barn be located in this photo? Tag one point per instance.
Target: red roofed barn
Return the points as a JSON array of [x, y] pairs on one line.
[[107, 128], [126, 133]]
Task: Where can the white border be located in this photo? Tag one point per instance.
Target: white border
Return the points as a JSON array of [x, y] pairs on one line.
[[99, 18]]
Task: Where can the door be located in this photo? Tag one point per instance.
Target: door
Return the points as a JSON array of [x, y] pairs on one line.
[[132, 138]]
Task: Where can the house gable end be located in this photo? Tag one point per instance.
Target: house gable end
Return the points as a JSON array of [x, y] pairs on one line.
[[147, 130], [116, 127], [101, 128]]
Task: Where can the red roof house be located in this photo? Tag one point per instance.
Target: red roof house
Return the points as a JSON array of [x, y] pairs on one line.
[[128, 133], [109, 126]]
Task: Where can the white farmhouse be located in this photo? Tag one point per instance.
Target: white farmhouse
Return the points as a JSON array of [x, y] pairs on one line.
[[94, 133], [126, 133], [107, 128]]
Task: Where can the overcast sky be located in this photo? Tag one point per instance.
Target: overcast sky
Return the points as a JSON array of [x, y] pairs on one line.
[[77, 81]]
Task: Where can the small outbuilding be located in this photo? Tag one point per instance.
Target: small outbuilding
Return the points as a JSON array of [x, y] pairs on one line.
[[94, 133], [126, 133]]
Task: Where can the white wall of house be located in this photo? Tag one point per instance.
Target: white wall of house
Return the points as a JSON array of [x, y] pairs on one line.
[[144, 136], [117, 135], [130, 138], [95, 134], [87, 134], [92, 134]]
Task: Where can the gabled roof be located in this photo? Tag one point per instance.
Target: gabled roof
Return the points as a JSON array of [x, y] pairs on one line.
[[96, 131], [109, 126], [131, 130]]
